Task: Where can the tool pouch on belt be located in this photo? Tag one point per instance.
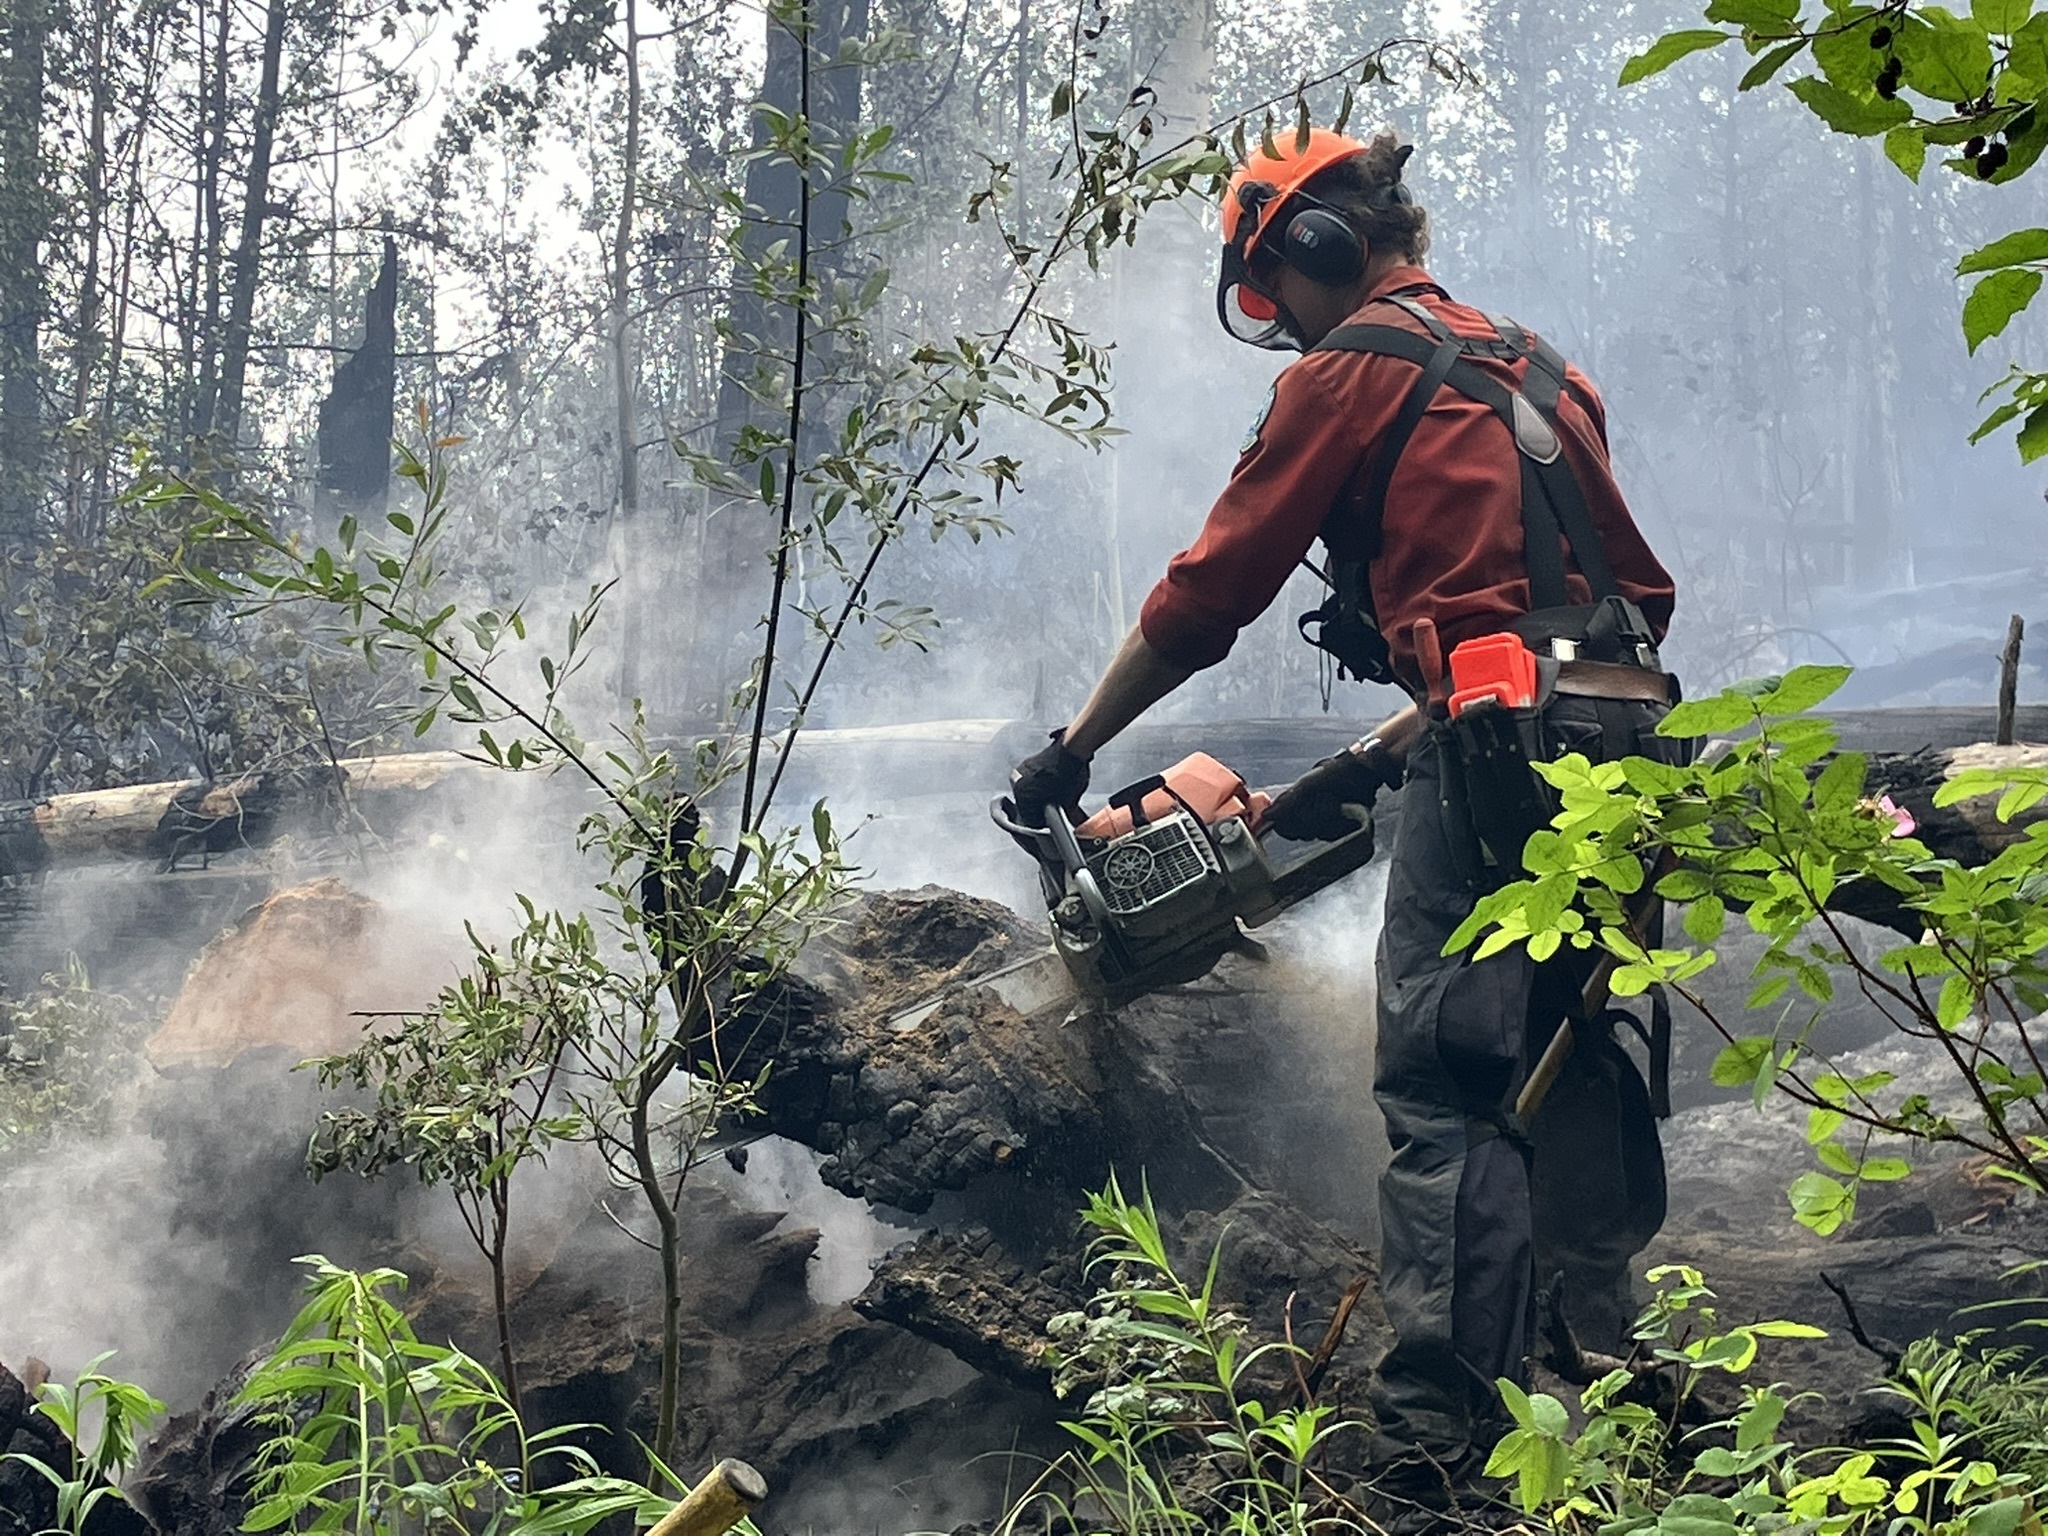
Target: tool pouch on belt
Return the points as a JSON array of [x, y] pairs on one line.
[[1491, 748]]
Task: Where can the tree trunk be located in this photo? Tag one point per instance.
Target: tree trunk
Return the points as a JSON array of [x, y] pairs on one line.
[[355, 418], [202, 330], [223, 413], [625, 377], [739, 538], [24, 221], [1875, 559], [86, 446]]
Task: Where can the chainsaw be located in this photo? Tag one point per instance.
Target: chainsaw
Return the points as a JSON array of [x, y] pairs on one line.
[[1168, 877]]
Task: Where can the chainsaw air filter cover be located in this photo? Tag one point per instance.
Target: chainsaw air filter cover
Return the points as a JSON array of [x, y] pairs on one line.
[[1152, 865]]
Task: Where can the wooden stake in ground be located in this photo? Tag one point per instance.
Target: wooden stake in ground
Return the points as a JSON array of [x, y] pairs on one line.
[[2009, 679], [727, 1496]]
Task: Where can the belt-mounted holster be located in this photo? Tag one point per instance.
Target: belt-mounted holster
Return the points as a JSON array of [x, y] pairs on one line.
[[1492, 749]]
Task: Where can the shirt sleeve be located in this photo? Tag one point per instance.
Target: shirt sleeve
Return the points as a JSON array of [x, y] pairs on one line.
[[1300, 460]]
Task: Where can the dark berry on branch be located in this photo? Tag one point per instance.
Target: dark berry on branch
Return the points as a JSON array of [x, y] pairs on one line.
[[1974, 148], [1992, 160], [1880, 37]]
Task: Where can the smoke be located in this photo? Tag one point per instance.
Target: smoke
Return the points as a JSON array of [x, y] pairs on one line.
[[853, 1236]]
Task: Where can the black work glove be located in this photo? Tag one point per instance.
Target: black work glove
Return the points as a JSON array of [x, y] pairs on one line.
[[1314, 807], [1051, 776]]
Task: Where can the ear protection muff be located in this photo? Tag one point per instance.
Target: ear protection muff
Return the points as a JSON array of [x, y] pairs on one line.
[[1306, 234], [1322, 245]]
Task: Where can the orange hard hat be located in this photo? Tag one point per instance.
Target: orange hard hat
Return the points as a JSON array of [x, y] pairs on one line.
[[1281, 173], [1257, 193]]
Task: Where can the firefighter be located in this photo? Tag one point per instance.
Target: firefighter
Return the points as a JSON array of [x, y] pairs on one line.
[[1457, 473]]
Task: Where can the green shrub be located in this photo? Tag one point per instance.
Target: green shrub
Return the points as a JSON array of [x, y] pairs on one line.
[[1634, 1469], [1178, 1429], [110, 1415], [377, 1432]]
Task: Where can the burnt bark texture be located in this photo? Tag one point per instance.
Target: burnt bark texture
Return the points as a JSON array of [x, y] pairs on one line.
[[355, 418]]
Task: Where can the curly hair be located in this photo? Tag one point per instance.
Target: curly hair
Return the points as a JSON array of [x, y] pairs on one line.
[[1367, 189]]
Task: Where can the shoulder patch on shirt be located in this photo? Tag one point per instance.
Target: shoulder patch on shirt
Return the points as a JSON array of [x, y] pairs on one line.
[[1251, 436]]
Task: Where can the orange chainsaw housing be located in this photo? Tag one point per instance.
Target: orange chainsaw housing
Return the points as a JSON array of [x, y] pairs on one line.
[[1211, 791]]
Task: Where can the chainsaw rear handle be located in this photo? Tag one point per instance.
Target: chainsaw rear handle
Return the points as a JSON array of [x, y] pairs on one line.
[[1058, 834]]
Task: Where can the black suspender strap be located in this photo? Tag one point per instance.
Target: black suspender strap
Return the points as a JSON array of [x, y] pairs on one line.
[[1434, 372], [1553, 504], [1557, 485]]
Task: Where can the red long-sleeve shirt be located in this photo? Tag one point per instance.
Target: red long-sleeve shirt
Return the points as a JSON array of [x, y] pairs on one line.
[[1451, 540]]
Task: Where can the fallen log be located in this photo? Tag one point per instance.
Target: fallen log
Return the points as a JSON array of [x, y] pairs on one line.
[[167, 823]]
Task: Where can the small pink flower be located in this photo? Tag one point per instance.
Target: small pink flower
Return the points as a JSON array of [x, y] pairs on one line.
[[1903, 824]]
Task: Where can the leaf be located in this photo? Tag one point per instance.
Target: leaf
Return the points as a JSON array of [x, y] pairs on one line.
[[1953, 1006], [1906, 147], [1759, 1422], [1884, 1170], [1668, 50], [1949, 58], [1777, 14], [1726, 711], [1843, 51], [1773, 1328], [2026, 62], [1846, 113], [1834, 1155], [2033, 438], [1767, 66], [1517, 1402], [1705, 919], [2001, 1517], [2003, 17], [2022, 245], [1739, 1063], [1840, 783], [1802, 688], [1995, 300], [1820, 1202]]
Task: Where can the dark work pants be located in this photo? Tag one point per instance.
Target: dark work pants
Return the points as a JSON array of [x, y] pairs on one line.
[[1476, 1210]]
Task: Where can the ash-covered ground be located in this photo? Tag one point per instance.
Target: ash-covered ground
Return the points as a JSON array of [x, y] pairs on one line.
[[871, 1268]]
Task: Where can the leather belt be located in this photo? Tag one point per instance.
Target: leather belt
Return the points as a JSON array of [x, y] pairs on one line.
[[1611, 680]]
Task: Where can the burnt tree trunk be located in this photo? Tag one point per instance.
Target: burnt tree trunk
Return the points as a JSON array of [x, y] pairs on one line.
[[220, 410], [753, 377], [24, 220], [355, 418]]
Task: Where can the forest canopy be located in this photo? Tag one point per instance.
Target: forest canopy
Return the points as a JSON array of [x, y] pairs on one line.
[[246, 243]]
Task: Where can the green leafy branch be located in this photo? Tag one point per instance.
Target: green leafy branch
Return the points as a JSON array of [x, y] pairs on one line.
[[376, 1432], [1631, 1470], [1777, 826], [114, 1413]]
